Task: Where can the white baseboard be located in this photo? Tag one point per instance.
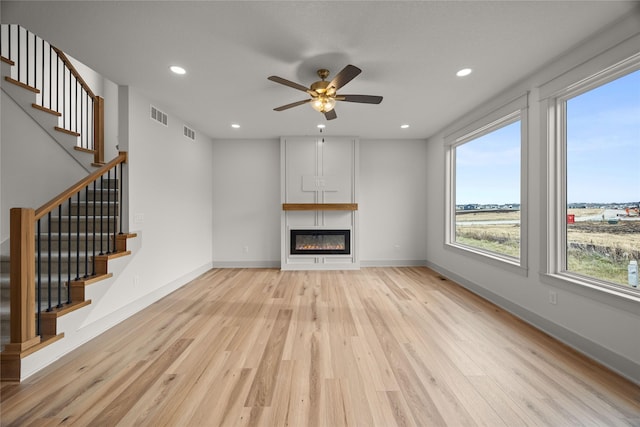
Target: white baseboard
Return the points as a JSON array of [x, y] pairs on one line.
[[246, 264], [394, 263]]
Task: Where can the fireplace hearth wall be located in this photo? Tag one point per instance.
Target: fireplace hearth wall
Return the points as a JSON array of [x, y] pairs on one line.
[[319, 195]]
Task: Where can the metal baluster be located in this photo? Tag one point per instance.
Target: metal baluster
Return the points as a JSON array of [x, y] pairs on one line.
[[93, 124], [93, 252], [101, 216], [64, 93], [59, 256], [82, 132], [42, 88], [50, 80], [68, 249], [78, 237], [109, 212], [86, 232], [119, 198], [38, 280], [49, 305], [18, 55], [35, 60], [76, 108]]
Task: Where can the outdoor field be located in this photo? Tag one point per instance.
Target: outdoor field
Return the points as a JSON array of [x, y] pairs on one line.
[[597, 247]]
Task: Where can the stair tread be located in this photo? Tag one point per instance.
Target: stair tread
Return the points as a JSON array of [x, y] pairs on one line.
[[22, 85]]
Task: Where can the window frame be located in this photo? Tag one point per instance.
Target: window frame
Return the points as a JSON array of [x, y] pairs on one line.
[[509, 113], [554, 96]]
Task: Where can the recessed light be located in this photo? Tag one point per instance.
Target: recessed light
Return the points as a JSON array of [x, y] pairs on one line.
[[178, 70], [464, 72], [321, 126], [404, 126], [235, 126]]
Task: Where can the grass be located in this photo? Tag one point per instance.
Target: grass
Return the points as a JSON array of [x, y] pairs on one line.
[[501, 239], [596, 249], [596, 265]]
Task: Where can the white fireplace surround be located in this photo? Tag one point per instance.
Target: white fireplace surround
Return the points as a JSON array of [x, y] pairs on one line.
[[319, 177]]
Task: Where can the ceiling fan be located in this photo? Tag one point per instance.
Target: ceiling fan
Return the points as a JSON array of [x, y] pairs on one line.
[[324, 94]]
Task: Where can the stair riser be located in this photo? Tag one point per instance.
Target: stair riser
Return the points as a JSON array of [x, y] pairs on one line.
[[64, 269], [89, 209], [64, 245], [103, 195], [99, 226]]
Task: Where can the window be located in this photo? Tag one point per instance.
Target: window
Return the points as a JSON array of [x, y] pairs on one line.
[[485, 182], [594, 193]]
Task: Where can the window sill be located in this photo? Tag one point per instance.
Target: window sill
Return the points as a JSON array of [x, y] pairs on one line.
[[618, 297], [510, 264]]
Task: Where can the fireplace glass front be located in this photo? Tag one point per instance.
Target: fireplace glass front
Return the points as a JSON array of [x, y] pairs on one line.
[[320, 242]]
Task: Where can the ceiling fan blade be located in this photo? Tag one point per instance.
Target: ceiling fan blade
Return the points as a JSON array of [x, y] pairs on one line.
[[366, 99], [347, 74], [288, 83], [293, 104], [330, 115]]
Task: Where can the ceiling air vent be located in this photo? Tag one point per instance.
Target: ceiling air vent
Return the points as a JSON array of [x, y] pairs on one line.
[[189, 133], [158, 116]]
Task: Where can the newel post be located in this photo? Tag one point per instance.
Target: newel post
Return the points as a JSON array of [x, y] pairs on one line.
[[98, 130], [22, 276]]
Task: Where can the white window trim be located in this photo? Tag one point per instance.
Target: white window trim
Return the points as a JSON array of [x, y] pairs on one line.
[[515, 110], [552, 118]]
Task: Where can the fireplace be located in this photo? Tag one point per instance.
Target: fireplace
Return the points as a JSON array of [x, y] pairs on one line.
[[320, 242]]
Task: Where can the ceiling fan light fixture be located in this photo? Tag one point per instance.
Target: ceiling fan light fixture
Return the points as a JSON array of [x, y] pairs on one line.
[[177, 69], [323, 104]]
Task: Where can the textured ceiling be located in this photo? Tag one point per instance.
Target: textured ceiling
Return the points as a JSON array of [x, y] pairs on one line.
[[409, 52]]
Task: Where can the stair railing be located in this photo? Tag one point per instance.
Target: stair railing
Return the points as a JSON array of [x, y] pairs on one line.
[[62, 90], [42, 242]]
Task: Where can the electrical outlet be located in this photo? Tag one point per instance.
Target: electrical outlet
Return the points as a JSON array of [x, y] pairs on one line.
[[136, 281], [553, 297]]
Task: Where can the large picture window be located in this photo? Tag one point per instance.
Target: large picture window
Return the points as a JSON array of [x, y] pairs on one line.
[[603, 180], [485, 185], [594, 194]]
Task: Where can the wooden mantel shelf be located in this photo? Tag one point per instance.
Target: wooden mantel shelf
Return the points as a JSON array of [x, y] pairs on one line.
[[319, 206]]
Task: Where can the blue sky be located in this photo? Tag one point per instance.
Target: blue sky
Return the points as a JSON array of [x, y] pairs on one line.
[[488, 168], [603, 143], [603, 152]]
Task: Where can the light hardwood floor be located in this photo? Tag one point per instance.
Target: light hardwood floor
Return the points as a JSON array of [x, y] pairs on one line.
[[376, 347]]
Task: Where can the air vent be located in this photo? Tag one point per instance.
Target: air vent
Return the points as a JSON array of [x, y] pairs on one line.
[[158, 116], [189, 133]]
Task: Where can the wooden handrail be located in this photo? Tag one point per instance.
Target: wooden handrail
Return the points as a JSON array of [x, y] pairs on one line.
[[73, 70], [53, 203]]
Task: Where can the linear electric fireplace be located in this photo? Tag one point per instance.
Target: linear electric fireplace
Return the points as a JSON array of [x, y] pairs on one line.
[[320, 242]]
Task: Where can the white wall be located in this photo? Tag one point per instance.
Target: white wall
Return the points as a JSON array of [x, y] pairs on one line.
[[602, 325], [171, 185], [246, 202], [393, 202], [34, 168]]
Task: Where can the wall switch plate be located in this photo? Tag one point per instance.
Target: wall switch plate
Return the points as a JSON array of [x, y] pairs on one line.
[[553, 297], [138, 218]]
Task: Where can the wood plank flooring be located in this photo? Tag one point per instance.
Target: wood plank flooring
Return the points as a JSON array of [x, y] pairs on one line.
[[376, 347]]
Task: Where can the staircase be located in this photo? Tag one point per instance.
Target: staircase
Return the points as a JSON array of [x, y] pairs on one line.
[[61, 248], [66, 243]]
